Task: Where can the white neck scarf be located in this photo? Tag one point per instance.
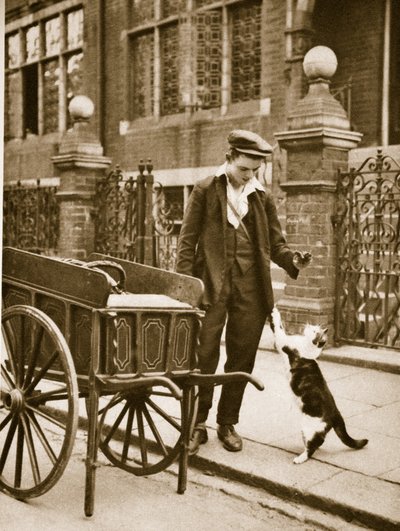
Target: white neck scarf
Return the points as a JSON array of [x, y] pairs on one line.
[[239, 196]]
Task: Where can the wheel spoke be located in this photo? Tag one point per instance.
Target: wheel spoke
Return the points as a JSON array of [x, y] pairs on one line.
[[116, 423], [11, 359], [7, 442], [19, 455], [5, 421], [128, 433], [164, 415], [46, 416], [142, 439], [42, 437], [7, 377], [42, 372], [39, 372], [115, 401], [34, 357], [31, 448], [60, 393], [154, 430], [21, 353]]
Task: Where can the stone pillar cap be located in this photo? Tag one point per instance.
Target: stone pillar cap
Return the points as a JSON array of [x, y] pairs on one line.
[[319, 108], [320, 62], [81, 108]]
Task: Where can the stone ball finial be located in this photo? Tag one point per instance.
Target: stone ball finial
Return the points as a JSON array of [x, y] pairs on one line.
[[81, 108], [320, 62]]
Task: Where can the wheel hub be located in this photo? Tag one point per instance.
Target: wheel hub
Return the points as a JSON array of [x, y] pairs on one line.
[[14, 400]]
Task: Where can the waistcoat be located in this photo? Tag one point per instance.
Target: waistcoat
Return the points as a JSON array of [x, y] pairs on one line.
[[239, 248]]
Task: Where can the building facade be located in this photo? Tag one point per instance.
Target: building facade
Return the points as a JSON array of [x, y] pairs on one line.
[[170, 78]]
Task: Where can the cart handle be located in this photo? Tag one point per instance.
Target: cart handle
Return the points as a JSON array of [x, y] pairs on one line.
[[220, 379], [124, 382]]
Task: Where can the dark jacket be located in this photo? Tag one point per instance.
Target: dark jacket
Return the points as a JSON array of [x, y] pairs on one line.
[[202, 240]]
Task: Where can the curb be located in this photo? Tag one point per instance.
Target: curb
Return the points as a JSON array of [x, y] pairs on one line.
[[350, 513], [368, 510], [367, 358], [370, 359]]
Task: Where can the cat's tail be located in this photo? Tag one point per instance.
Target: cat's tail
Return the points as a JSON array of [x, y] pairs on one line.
[[340, 429]]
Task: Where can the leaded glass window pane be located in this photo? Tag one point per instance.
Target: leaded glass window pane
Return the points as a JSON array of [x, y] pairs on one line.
[[13, 51], [32, 44], [51, 73], [142, 11], [143, 75], [246, 52], [209, 58], [172, 7], [75, 29], [202, 3], [12, 102], [170, 71], [53, 36]]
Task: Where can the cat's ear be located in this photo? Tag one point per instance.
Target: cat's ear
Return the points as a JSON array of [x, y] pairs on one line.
[[325, 331]]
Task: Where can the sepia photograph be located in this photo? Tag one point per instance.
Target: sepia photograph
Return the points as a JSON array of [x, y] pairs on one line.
[[200, 262]]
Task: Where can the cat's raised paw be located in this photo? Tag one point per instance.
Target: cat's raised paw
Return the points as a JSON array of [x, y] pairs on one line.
[[302, 458]]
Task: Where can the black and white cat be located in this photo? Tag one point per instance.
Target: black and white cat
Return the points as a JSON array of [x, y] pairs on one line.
[[319, 411]]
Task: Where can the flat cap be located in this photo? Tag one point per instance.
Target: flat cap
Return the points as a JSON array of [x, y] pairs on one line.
[[249, 142]]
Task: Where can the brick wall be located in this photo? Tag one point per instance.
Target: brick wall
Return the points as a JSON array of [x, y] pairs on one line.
[[354, 28], [355, 33], [179, 141]]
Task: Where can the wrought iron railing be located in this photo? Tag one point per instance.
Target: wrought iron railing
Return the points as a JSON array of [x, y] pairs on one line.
[[31, 217], [135, 219], [368, 254]]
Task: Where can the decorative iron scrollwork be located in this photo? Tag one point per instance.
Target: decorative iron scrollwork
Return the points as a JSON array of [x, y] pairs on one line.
[[135, 219], [115, 207], [166, 213], [368, 253], [31, 217]]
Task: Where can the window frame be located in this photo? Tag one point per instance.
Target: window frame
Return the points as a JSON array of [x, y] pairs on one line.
[[189, 99], [20, 27]]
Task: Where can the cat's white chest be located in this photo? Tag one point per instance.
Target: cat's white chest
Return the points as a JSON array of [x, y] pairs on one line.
[[311, 425]]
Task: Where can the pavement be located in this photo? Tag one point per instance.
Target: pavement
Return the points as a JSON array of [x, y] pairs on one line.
[[361, 486]]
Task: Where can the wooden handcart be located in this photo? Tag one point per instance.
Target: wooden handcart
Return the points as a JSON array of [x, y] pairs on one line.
[[120, 335]]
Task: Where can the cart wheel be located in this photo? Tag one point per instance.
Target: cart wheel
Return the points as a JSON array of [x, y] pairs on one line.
[[38, 405], [142, 432]]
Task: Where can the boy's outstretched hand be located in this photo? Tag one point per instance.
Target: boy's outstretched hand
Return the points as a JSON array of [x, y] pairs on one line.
[[301, 260]]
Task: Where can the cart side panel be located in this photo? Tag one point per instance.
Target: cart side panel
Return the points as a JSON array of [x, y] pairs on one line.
[[13, 295], [55, 276], [80, 338], [118, 343], [146, 279], [55, 308], [148, 341], [183, 342], [153, 329]]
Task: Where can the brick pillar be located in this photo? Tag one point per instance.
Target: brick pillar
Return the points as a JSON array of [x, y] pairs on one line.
[[78, 165], [317, 141]]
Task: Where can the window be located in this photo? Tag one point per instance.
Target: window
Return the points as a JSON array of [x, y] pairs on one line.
[[43, 73], [193, 54]]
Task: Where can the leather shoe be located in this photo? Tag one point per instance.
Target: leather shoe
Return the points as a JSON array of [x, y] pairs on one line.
[[231, 440], [199, 436]]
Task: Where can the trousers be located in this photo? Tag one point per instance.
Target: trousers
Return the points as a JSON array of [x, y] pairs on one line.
[[242, 307]]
